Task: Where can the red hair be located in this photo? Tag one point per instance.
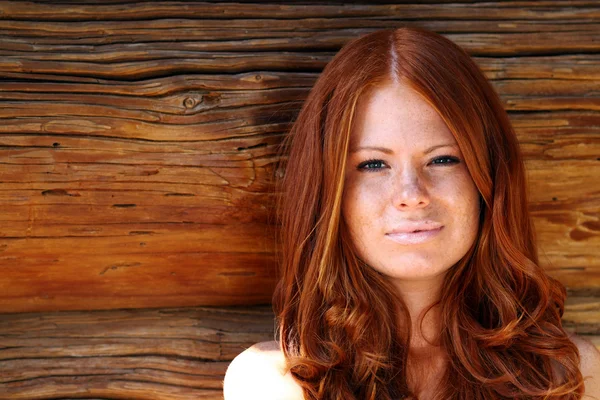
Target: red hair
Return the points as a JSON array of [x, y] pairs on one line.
[[343, 328]]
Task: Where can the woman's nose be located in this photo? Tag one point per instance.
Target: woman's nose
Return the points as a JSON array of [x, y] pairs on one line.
[[410, 191]]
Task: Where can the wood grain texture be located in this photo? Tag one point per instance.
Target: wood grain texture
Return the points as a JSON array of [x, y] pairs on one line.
[[139, 140], [172, 354]]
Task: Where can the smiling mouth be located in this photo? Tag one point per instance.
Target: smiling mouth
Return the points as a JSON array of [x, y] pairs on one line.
[[414, 237]]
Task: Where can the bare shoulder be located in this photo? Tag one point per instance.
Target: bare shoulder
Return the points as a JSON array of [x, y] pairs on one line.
[[259, 373], [590, 366]]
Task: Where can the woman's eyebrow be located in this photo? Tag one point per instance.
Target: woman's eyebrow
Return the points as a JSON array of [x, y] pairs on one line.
[[390, 151], [437, 146], [381, 149]]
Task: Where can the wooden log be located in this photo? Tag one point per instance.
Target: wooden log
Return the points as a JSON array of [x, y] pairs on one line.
[[106, 272], [146, 64], [479, 44], [568, 67], [154, 353], [522, 10], [135, 354], [47, 36]]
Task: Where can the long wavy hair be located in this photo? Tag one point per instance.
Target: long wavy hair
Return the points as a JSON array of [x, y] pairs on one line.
[[343, 328]]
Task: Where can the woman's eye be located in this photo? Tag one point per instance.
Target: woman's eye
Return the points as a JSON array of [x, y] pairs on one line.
[[371, 165], [445, 160]]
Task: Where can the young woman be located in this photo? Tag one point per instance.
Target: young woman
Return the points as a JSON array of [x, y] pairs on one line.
[[409, 265]]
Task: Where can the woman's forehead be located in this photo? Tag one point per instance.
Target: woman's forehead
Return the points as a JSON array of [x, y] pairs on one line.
[[396, 113]]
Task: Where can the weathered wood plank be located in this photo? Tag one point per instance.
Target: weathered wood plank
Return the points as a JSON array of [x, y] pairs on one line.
[[109, 387], [571, 67], [133, 198], [202, 333], [582, 314], [489, 44], [196, 107], [159, 264], [216, 59], [517, 10], [135, 354], [49, 36]]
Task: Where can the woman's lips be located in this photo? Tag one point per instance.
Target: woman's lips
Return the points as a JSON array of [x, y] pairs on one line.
[[414, 237]]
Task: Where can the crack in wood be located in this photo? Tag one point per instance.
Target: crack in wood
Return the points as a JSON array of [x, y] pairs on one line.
[[119, 266], [255, 146], [59, 192], [180, 194]]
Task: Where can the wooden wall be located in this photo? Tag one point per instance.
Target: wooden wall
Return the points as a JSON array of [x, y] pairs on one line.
[[138, 150]]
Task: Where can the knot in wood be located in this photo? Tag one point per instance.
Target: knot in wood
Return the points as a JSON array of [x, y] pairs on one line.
[[189, 102]]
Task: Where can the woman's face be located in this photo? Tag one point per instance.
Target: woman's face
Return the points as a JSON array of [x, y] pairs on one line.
[[409, 202]]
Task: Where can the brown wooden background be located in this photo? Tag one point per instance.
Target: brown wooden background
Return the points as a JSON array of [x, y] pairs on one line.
[[137, 158]]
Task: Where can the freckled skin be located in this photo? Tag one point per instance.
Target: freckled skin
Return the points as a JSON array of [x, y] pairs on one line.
[[407, 184]]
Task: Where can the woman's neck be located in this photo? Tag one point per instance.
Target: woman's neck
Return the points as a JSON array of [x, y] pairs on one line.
[[427, 360], [418, 296]]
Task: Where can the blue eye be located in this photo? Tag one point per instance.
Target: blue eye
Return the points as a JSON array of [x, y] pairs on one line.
[[371, 165], [445, 160]]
